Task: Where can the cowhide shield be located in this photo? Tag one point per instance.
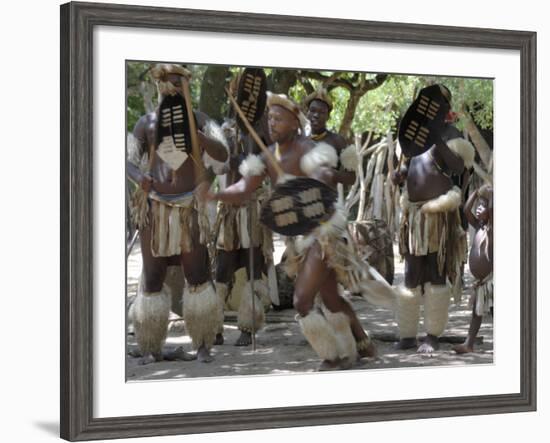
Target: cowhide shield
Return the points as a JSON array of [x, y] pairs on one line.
[[298, 206], [173, 132], [251, 95], [422, 123]]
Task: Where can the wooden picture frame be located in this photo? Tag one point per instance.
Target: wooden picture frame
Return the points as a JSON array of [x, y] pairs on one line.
[[77, 23]]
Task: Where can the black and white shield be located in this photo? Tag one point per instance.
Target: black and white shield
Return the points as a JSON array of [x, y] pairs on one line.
[[173, 132], [298, 206], [251, 95], [421, 125]]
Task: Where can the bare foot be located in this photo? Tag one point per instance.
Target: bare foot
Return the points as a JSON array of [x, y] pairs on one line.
[[219, 339], [463, 349], [345, 363], [368, 352], [150, 358], [179, 354], [245, 339], [329, 365], [203, 355], [135, 353], [406, 343], [338, 364], [430, 345]]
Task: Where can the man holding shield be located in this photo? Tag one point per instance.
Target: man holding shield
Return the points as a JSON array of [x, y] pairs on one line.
[[321, 258], [431, 237], [170, 162], [238, 231]]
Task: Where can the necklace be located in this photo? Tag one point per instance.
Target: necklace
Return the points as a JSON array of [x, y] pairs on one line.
[[321, 136], [446, 174]]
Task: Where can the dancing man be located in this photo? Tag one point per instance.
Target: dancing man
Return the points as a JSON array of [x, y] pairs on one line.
[[321, 259]]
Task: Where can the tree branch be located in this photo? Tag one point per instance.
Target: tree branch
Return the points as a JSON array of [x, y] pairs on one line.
[[331, 81]]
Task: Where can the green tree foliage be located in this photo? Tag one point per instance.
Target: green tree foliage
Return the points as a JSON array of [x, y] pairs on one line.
[[378, 109], [212, 92], [471, 95], [136, 74]]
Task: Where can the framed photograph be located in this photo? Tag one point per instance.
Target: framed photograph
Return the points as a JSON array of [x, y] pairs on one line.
[[108, 59]]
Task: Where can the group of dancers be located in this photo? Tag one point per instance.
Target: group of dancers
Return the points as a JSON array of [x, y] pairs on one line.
[[267, 158]]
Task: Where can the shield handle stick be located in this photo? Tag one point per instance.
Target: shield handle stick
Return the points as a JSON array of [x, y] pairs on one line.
[[251, 279], [400, 161], [280, 173], [196, 156], [251, 271]]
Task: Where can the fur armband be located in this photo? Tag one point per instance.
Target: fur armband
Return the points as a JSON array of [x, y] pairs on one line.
[[464, 149], [444, 203], [251, 166], [218, 167], [349, 158], [213, 131], [321, 155], [137, 158]]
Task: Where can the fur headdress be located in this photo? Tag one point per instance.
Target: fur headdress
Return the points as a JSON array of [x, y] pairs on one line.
[[162, 70], [320, 94], [283, 101], [160, 74]]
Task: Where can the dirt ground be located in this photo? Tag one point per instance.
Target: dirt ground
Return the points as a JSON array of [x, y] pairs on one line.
[[281, 347]]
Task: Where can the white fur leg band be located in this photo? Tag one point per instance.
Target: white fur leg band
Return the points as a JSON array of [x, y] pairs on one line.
[[150, 316], [222, 289], [347, 347], [247, 312], [436, 308], [320, 335], [408, 311], [262, 292], [212, 130], [202, 313]]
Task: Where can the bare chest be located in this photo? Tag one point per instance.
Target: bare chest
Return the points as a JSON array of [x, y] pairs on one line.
[[425, 180]]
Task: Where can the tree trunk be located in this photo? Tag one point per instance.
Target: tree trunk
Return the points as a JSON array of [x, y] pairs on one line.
[[212, 99], [347, 120], [390, 187], [281, 80], [361, 181], [479, 142], [147, 90], [356, 92]]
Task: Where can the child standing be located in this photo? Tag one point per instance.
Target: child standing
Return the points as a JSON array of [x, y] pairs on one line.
[[480, 261]]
